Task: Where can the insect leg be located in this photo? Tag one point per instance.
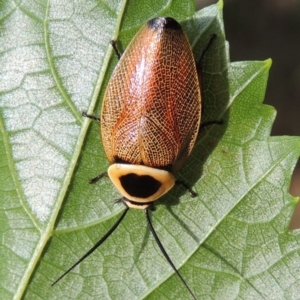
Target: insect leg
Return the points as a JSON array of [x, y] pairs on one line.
[[192, 193], [219, 122], [198, 64], [113, 43], [212, 37], [84, 114], [95, 179]]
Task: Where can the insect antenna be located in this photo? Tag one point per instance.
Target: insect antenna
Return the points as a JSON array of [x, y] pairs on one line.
[[162, 249], [110, 231]]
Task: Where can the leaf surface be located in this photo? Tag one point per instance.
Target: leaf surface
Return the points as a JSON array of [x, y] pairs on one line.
[[230, 242]]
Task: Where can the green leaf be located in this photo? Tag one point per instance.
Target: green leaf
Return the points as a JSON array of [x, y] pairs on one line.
[[229, 242]]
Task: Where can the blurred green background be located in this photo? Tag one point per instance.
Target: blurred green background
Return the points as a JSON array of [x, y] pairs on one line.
[[257, 30]]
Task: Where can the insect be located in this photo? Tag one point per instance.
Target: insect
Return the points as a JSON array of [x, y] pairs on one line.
[[150, 120]]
